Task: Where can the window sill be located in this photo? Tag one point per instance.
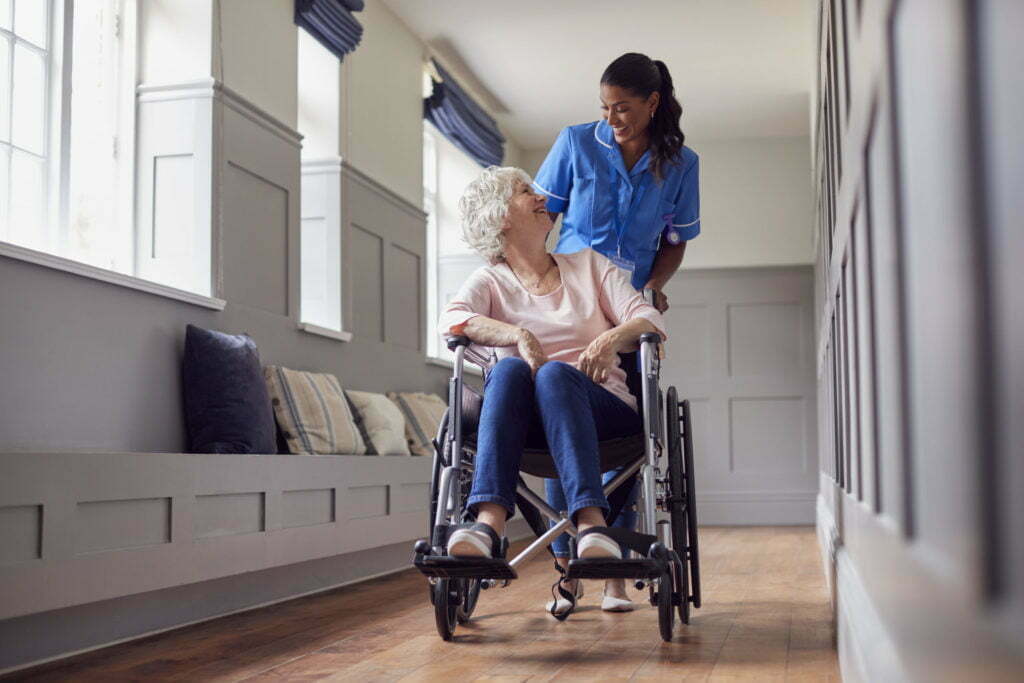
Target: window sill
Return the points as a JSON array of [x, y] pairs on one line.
[[467, 367], [337, 335], [95, 273]]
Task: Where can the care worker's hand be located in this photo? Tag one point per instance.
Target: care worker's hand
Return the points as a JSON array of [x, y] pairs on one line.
[[531, 351], [660, 300], [598, 358]]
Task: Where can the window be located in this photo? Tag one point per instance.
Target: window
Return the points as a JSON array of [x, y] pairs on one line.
[[319, 74], [67, 129], [447, 171]]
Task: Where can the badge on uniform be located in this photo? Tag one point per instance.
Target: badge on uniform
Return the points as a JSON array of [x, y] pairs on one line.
[[670, 234]]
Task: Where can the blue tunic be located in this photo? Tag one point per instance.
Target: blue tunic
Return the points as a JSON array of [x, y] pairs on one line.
[[621, 214]]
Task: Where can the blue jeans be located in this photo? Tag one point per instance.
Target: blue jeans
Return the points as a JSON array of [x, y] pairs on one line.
[[625, 520], [560, 407]]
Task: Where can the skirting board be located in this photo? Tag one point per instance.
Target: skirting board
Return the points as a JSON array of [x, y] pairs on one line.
[[866, 652], [38, 638], [755, 508]]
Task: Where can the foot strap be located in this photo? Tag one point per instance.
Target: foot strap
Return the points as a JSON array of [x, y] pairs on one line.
[[564, 592]]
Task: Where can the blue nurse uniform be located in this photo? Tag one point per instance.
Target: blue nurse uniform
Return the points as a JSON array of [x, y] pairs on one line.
[[621, 214]]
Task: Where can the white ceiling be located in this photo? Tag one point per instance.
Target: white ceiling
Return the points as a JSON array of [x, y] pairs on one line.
[[742, 68]]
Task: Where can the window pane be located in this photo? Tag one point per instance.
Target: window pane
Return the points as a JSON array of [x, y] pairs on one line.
[[27, 201], [5, 88], [29, 111], [5, 14], [93, 235], [5, 161], [30, 20]]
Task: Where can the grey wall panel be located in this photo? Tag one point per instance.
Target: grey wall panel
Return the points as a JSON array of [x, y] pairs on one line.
[[402, 298], [766, 434], [739, 350], [765, 338], [307, 507], [255, 241], [21, 533], [367, 250], [365, 502], [229, 514], [411, 497], [120, 524]]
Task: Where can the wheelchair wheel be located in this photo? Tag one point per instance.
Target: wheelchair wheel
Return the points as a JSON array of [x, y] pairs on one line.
[[691, 503], [666, 615], [678, 503], [470, 591], [445, 608]]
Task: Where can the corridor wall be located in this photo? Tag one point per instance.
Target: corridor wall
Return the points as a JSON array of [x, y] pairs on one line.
[[918, 364]]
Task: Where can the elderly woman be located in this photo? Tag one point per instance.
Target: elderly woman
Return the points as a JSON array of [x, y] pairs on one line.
[[557, 323]]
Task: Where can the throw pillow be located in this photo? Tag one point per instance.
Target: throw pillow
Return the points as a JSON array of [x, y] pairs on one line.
[[423, 414], [313, 413], [227, 409], [383, 421]]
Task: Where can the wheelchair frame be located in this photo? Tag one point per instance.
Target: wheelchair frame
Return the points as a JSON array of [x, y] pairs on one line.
[[455, 583]]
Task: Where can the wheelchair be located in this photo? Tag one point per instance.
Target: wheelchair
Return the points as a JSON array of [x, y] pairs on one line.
[[663, 557]]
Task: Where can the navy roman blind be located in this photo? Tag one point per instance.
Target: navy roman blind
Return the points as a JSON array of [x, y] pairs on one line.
[[463, 121], [331, 23]]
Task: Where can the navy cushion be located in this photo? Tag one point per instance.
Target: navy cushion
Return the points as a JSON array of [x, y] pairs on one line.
[[227, 407]]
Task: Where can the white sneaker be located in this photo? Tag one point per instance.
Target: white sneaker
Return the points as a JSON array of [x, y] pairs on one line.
[[593, 544], [561, 605], [479, 540], [610, 604]]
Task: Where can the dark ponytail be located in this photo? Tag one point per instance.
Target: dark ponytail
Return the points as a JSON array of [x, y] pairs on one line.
[[642, 76]]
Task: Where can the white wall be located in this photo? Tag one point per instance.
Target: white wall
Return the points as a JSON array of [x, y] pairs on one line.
[[320, 97], [175, 40], [756, 204]]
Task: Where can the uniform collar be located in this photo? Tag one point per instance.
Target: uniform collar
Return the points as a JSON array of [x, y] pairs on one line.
[[604, 135]]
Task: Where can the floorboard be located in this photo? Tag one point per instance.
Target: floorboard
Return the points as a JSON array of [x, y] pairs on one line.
[[766, 617]]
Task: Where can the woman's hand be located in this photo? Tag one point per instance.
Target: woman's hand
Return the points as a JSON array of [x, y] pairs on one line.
[[531, 351], [598, 358]]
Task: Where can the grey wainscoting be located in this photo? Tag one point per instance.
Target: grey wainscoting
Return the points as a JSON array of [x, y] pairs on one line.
[[740, 349]]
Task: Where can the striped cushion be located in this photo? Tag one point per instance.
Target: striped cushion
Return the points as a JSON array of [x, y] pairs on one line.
[[313, 413], [385, 426], [423, 414]]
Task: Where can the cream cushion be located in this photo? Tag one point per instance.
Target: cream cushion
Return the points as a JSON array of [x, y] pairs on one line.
[[312, 411], [423, 414], [382, 421]]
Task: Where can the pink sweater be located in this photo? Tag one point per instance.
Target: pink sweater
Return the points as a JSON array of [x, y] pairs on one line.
[[595, 296]]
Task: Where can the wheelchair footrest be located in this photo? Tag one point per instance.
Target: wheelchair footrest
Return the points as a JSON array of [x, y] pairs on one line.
[[602, 568], [445, 567]]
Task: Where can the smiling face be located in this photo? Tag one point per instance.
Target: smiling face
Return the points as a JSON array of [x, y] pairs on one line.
[[627, 114], [527, 213]]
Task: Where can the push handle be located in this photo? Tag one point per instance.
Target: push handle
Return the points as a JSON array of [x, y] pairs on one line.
[[456, 340]]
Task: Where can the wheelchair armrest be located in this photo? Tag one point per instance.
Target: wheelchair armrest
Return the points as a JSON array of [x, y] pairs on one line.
[[454, 341]]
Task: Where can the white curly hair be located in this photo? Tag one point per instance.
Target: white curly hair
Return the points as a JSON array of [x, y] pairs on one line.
[[484, 207]]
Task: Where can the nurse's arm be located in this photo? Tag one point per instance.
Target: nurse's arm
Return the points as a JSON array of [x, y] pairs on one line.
[[666, 263]]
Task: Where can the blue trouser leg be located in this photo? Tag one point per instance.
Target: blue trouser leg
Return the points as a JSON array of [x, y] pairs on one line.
[[577, 414], [508, 416]]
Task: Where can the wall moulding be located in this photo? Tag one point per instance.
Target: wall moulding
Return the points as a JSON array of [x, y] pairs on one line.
[[215, 89]]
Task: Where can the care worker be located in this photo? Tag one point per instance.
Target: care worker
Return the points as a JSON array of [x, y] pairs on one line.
[[627, 187]]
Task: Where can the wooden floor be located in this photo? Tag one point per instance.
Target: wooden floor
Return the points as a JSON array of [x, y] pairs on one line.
[[766, 617]]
